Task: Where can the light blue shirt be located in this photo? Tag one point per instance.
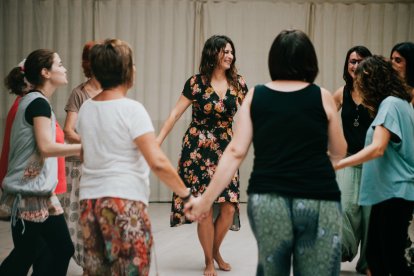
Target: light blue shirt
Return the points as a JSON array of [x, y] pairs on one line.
[[391, 175]]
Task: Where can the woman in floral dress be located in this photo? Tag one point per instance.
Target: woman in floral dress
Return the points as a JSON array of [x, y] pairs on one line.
[[215, 95]]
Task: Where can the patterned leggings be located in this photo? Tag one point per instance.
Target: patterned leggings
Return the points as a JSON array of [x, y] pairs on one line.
[[307, 230], [117, 237]]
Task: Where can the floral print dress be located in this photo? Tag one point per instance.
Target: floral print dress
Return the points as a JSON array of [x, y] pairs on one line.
[[204, 142]]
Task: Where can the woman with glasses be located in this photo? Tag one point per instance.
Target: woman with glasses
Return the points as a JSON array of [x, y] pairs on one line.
[[355, 122], [387, 182]]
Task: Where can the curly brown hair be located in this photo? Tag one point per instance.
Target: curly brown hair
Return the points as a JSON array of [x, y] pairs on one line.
[[210, 58], [376, 80]]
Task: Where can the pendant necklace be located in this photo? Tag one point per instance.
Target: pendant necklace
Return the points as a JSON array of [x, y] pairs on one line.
[[356, 122]]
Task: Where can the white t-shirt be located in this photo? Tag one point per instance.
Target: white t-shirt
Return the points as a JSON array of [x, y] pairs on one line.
[[113, 166]]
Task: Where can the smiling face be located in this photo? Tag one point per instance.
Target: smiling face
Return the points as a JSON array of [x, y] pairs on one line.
[[353, 60], [398, 63], [225, 58]]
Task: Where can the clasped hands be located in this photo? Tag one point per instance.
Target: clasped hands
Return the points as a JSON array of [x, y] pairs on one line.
[[197, 208]]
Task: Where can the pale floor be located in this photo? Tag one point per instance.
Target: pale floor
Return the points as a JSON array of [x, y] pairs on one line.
[[178, 252]]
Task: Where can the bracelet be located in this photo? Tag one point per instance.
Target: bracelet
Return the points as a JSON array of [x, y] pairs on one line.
[[186, 198]]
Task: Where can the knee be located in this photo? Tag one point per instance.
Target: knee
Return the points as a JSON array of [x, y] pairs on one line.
[[67, 250], [227, 209]]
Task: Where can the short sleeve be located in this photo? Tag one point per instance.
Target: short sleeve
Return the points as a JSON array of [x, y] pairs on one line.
[[243, 89], [387, 116], [39, 107], [189, 86], [140, 122], [75, 100]]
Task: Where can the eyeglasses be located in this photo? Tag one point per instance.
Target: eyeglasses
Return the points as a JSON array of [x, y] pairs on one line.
[[355, 61]]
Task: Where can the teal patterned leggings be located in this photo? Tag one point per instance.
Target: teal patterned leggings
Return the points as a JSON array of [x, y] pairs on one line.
[[305, 231]]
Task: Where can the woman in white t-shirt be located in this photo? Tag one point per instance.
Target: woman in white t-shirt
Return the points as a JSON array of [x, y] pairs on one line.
[[118, 140]]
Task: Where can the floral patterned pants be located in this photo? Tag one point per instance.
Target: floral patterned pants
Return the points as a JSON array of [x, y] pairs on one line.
[[307, 230], [117, 237]]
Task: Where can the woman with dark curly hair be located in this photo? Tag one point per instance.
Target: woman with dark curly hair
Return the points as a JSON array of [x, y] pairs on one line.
[[355, 122], [215, 95], [388, 172]]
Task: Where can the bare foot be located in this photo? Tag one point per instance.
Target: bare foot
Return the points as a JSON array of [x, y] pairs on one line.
[[221, 263], [368, 272], [210, 270]]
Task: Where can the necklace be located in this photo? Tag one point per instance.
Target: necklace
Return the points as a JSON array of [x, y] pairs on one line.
[[356, 122]]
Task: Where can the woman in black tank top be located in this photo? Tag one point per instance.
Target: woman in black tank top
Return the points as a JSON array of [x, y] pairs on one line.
[[294, 200], [355, 122]]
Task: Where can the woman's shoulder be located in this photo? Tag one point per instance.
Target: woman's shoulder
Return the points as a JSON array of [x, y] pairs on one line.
[[195, 79], [131, 105], [339, 91], [79, 94], [394, 101], [79, 89]]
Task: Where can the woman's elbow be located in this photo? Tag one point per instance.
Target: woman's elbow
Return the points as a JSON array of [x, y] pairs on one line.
[[158, 165], [236, 152], [379, 152], [44, 152]]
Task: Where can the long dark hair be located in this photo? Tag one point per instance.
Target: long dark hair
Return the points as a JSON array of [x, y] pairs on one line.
[[376, 80], [406, 50], [210, 58], [35, 62], [361, 51]]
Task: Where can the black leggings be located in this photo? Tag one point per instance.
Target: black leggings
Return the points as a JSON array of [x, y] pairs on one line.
[[52, 233], [387, 237]]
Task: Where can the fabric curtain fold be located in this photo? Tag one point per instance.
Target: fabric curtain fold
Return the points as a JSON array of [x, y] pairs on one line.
[[167, 38]]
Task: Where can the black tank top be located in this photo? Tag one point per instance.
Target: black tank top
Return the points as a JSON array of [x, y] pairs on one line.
[[355, 122], [290, 139]]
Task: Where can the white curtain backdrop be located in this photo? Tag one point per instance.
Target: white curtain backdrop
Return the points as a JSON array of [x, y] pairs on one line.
[[252, 26], [167, 37], [161, 34], [338, 27]]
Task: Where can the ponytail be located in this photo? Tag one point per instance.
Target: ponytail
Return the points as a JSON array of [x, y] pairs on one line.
[[14, 81]]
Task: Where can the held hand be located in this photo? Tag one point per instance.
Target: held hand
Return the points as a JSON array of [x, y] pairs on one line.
[[196, 209], [337, 165], [158, 141]]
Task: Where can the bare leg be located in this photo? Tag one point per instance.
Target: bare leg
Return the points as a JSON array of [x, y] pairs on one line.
[[205, 230], [221, 227]]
